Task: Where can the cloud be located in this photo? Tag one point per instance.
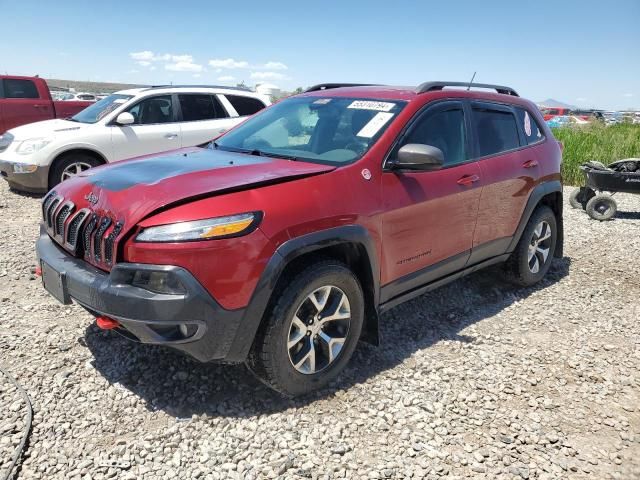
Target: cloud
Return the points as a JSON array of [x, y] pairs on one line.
[[183, 67], [267, 76], [628, 95], [144, 55], [275, 66], [144, 63], [228, 63], [226, 78]]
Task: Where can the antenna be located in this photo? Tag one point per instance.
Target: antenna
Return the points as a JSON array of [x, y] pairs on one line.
[[474, 76]]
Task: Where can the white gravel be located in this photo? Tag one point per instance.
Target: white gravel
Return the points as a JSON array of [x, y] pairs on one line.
[[475, 379]]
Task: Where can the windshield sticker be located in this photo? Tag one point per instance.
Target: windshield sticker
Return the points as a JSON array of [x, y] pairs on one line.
[[375, 124], [369, 105], [322, 101], [527, 124]]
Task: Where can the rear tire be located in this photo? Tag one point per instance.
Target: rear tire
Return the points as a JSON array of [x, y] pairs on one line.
[[532, 257], [70, 165], [312, 330], [602, 207]]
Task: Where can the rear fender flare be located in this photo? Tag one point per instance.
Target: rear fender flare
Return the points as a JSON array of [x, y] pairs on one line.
[[538, 193]]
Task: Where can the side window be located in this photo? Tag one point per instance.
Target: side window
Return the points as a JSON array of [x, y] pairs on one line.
[[496, 129], [153, 110], [442, 128], [200, 107], [245, 105], [14, 88], [530, 127]]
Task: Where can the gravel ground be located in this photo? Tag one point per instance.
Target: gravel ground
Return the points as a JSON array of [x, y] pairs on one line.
[[475, 379]]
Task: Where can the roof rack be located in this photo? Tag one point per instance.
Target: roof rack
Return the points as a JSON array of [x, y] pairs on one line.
[[433, 86], [246, 89], [327, 86]]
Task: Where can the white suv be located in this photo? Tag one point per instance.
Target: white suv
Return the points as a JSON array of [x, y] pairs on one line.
[[127, 124]]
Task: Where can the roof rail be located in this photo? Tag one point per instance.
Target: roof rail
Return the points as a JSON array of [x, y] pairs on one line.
[[433, 86], [327, 86], [246, 89]]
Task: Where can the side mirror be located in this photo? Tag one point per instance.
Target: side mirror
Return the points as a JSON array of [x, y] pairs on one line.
[[125, 118], [416, 156]]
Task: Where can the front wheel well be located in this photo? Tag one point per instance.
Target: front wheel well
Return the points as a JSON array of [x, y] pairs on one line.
[[76, 151], [356, 258]]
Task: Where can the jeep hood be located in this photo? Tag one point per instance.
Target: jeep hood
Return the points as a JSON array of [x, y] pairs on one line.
[[131, 190]]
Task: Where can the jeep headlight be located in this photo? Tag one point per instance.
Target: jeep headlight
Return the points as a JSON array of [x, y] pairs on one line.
[[32, 145], [211, 228]]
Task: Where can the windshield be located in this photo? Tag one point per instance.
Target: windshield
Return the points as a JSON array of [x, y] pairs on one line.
[[98, 110], [332, 130]]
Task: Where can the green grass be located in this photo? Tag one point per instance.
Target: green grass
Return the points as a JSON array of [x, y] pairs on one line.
[[595, 142]]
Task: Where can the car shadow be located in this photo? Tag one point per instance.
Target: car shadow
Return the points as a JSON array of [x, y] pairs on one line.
[[182, 387]]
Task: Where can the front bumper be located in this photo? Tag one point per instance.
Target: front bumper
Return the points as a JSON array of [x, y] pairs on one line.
[[146, 316], [34, 182]]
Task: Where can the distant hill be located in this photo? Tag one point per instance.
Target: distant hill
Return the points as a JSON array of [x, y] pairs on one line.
[[550, 102], [93, 87]]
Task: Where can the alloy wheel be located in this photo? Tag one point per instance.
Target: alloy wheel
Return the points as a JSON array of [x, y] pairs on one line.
[[74, 169], [319, 330], [539, 246]]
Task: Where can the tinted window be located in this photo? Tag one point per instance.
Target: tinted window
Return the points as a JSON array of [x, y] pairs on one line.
[[153, 110], [443, 129], [529, 126], [14, 88], [200, 107], [497, 131], [245, 105]]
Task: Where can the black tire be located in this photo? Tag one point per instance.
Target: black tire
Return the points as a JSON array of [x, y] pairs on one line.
[[271, 358], [602, 207], [519, 268], [574, 199], [67, 161]]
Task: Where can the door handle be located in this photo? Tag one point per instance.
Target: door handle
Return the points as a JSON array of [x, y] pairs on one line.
[[468, 180], [171, 136], [530, 164]]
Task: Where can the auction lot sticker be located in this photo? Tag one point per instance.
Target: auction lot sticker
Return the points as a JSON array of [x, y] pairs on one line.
[[370, 105], [375, 124]]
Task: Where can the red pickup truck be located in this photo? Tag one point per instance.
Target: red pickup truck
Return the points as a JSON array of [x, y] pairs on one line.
[[28, 99]]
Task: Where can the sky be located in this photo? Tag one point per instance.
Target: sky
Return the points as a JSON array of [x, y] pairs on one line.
[[585, 53]]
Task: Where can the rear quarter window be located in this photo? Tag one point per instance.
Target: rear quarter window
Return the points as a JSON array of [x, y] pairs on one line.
[[529, 125], [245, 105]]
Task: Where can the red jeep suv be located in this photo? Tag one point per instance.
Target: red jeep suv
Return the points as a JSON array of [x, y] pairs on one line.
[[281, 242]]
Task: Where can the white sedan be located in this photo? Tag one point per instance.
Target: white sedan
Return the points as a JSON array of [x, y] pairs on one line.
[[126, 124]]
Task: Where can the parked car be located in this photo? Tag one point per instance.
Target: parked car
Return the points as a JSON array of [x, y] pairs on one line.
[[279, 248], [28, 99], [551, 112], [83, 96], [126, 124], [566, 120]]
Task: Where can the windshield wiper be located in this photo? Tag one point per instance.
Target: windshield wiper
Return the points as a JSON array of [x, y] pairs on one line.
[[274, 155]]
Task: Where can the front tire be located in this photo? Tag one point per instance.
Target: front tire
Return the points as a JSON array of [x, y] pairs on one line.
[[70, 165], [532, 257], [311, 332]]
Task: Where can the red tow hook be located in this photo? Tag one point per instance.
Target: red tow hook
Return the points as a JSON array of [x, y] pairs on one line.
[[106, 323], [38, 271]]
